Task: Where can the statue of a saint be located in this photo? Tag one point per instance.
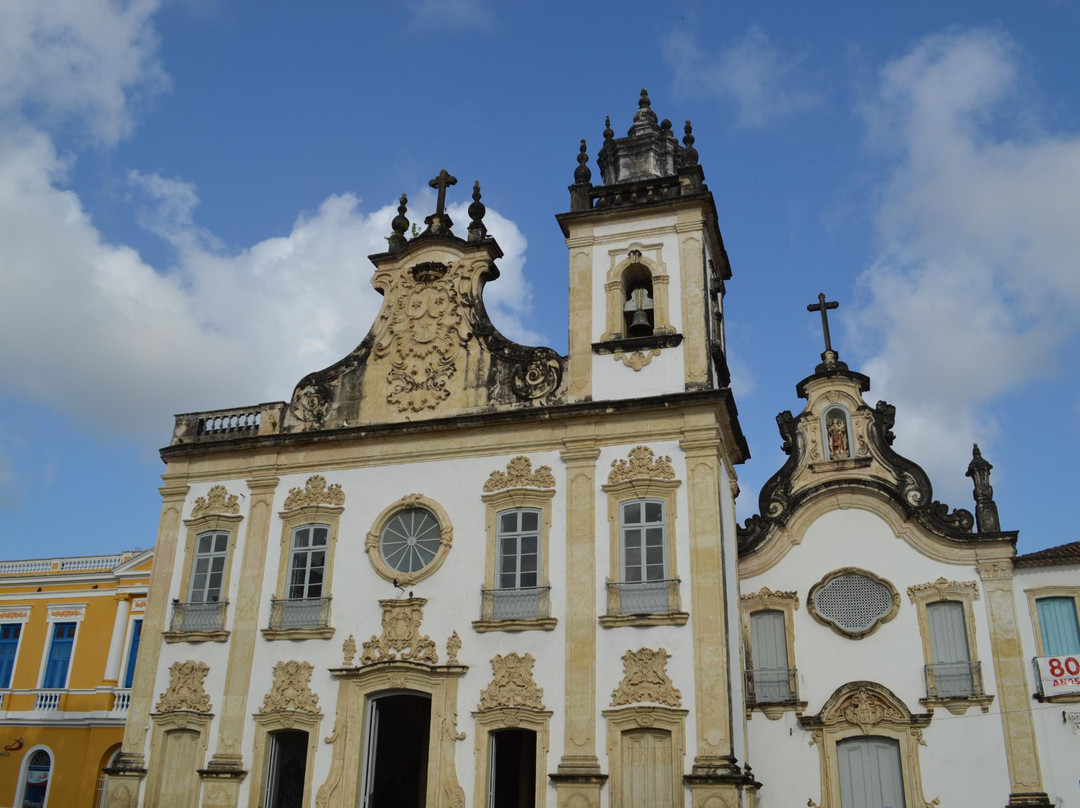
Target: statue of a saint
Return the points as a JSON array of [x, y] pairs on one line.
[[838, 439]]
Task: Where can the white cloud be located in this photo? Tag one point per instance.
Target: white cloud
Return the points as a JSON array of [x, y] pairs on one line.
[[751, 72], [441, 14], [976, 285], [81, 61]]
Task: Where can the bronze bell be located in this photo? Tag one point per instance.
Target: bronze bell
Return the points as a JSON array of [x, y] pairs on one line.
[[639, 324]]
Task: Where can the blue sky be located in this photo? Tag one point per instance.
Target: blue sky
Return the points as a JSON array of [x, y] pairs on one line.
[[189, 191]]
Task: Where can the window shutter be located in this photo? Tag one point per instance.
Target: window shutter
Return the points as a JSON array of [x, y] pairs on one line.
[[9, 645], [948, 636], [1057, 622], [870, 774], [56, 670], [768, 645]]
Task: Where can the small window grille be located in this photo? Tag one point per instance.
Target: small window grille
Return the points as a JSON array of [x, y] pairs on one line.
[[853, 602]]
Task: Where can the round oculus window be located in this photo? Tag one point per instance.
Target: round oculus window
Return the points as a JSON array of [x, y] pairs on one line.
[[410, 540]]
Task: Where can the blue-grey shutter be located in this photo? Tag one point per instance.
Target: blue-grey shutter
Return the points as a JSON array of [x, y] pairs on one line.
[[1057, 622], [768, 646], [870, 775], [949, 654]]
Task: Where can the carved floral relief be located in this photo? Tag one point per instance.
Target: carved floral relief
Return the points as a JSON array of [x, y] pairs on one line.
[[645, 678], [291, 689], [185, 690], [642, 464], [401, 637], [519, 474], [513, 684], [315, 492], [217, 500]]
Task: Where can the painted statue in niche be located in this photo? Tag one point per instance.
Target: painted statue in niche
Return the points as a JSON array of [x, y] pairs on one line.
[[836, 424]]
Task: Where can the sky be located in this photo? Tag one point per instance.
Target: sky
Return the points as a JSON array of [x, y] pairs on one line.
[[189, 190]]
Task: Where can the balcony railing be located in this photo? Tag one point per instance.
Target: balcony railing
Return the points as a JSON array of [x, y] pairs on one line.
[[953, 680], [643, 597], [121, 701], [198, 616], [47, 700], [287, 613], [523, 603], [771, 685]]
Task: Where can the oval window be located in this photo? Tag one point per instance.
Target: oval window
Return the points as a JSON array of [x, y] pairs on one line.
[[853, 602]]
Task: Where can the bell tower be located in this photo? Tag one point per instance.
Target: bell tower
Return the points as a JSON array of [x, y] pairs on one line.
[[647, 268]]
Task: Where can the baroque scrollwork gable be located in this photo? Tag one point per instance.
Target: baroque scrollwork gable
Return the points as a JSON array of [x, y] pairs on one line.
[[291, 690], [642, 464], [315, 492], [401, 637], [185, 690], [645, 679], [519, 474], [217, 501], [512, 683]]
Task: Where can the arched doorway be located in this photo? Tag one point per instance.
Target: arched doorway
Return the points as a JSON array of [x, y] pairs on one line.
[[396, 758], [34, 783], [108, 760]]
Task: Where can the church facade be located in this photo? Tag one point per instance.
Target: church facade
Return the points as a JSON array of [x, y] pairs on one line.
[[457, 571]]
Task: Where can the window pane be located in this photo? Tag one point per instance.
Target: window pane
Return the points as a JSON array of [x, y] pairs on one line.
[[206, 543], [1058, 625], [529, 544], [220, 542], [633, 574], [318, 559], [654, 555], [632, 538], [509, 563], [319, 536], [508, 580], [300, 538], [654, 536], [530, 520], [508, 522], [217, 564], [529, 579], [528, 563], [654, 512], [632, 513]]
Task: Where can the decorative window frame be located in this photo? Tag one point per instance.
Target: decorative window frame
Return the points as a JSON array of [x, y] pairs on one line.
[[59, 613], [965, 593], [489, 721], [852, 635], [615, 291], [163, 724], [496, 502], [638, 716], [824, 426], [209, 523], [15, 615], [269, 723], [860, 709], [1033, 596], [639, 479], [24, 769], [766, 600], [317, 514], [446, 539]]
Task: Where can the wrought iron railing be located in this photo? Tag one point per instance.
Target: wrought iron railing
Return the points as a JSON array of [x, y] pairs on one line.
[[523, 603], [198, 616], [643, 597], [953, 680], [771, 685], [287, 613]]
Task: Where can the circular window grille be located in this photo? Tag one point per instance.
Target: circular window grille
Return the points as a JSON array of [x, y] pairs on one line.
[[410, 540], [854, 603]]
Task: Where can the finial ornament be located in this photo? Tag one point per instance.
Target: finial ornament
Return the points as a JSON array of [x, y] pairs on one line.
[[477, 228], [609, 133], [690, 155], [830, 356], [582, 175], [439, 223], [986, 512], [399, 225], [644, 101]]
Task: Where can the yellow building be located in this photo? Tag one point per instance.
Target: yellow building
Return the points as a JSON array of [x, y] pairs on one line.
[[69, 635]]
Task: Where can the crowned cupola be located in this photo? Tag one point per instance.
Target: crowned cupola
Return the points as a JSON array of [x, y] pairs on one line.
[[647, 267]]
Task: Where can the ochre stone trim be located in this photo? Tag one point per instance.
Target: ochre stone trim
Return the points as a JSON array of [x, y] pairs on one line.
[[195, 636], [315, 492], [642, 620], [615, 288], [446, 539], [539, 624], [162, 725], [217, 501], [640, 717], [645, 679], [512, 684], [509, 492], [291, 690], [853, 635], [186, 690], [300, 516], [1035, 593], [265, 725], [786, 602], [488, 721], [401, 637], [642, 464], [519, 474]]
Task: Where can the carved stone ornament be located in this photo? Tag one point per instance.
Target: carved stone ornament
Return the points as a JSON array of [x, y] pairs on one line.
[[513, 684], [453, 645], [643, 464], [539, 377], [422, 331], [348, 650], [766, 598], [401, 637], [185, 690], [866, 709], [311, 403], [315, 492], [645, 678], [519, 474], [217, 500], [291, 689], [636, 360], [941, 589]]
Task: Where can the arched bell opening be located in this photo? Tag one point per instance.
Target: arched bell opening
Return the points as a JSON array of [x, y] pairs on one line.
[[638, 303]]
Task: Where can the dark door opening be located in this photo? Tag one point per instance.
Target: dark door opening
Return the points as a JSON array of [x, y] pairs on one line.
[[286, 769], [513, 769], [397, 744]]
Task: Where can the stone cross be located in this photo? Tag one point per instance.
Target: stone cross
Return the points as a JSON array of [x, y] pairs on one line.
[[823, 307], [442, 182]]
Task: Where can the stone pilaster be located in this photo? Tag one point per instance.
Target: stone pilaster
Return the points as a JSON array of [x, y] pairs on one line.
[[126, 777], [226, 767], [695, 294], [1025, 777], [578, 780], [579, 366], [715, 772]]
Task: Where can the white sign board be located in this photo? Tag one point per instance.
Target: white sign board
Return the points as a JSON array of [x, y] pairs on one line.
[[1059, 674]]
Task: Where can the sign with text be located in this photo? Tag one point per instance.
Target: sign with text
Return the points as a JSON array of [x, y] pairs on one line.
[[1059, 674]]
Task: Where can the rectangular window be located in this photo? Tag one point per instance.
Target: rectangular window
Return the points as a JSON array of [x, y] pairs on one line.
[[950, 674], [208, 567], [1058, 625], [770, 677], [133, 652], [9, 645], [59, 659], [307, 565], [643, 540], [518, 541], [870, 773]]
